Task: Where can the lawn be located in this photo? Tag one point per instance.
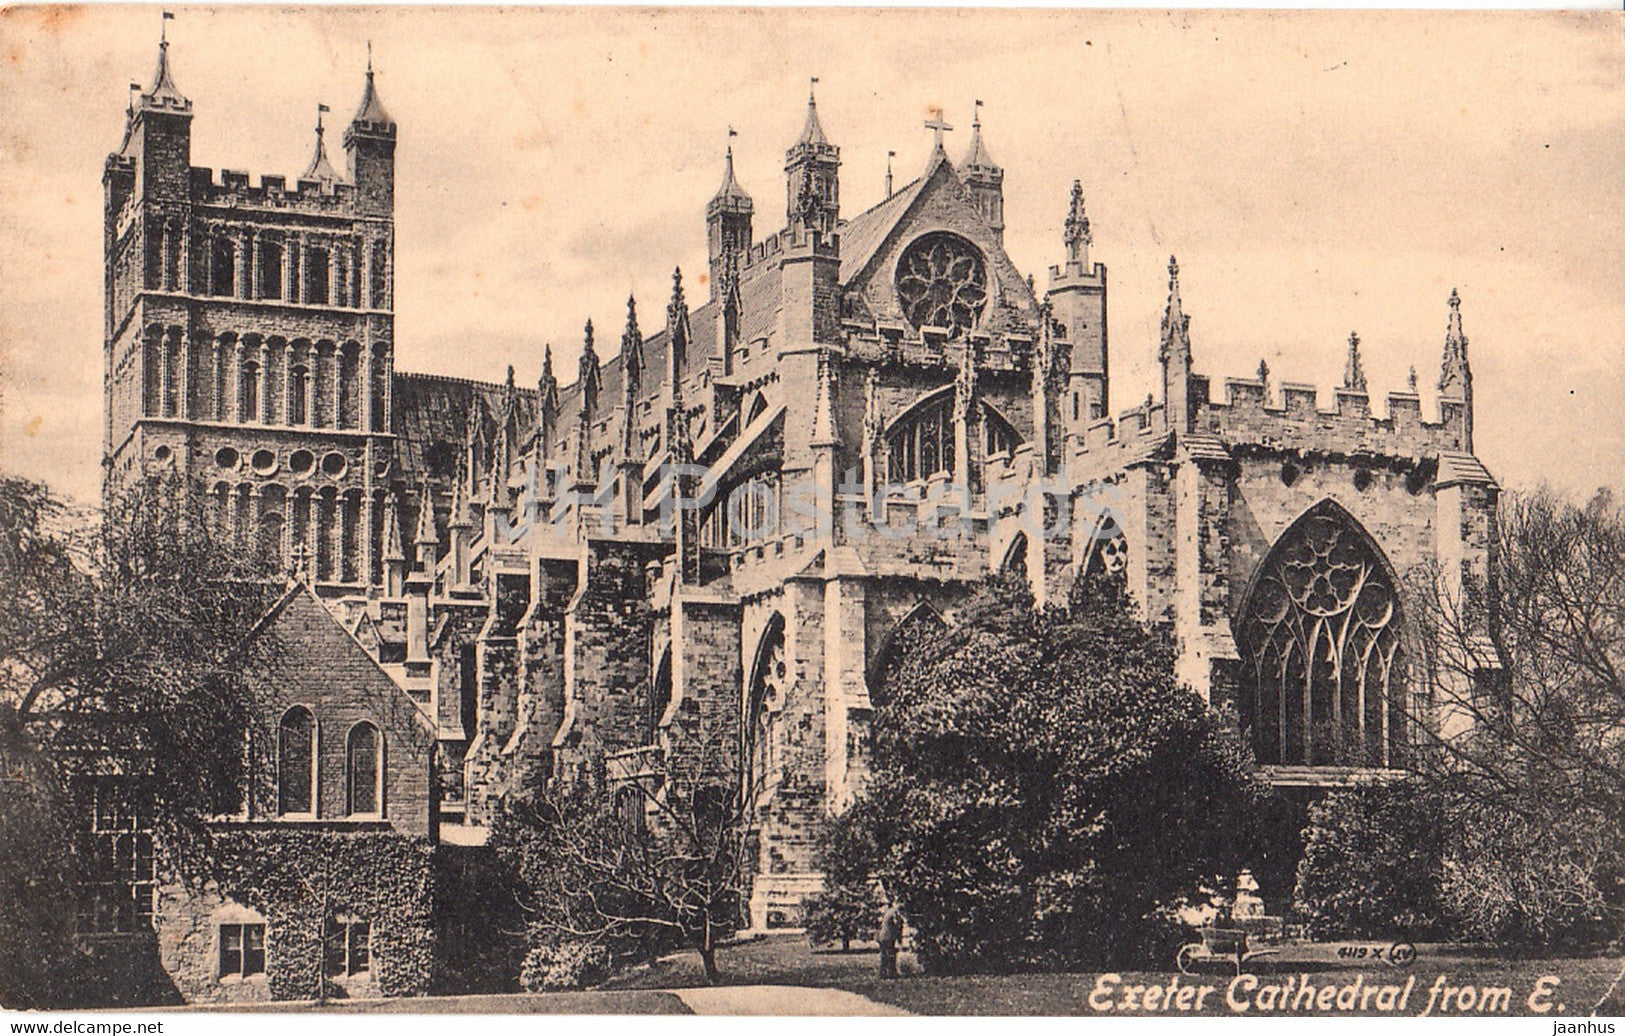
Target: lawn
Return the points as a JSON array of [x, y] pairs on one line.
[[1469, 981]]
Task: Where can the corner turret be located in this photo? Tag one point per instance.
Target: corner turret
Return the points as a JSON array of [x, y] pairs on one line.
[[370, 144], [812, 177], [984, 179], [727, 223], [1077, 297]]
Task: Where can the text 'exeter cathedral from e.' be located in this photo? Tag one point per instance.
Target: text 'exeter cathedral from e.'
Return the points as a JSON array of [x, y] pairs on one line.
[[713, 530]]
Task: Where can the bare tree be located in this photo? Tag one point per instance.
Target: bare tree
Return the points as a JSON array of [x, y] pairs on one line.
[[1524, 724], [637, 857]]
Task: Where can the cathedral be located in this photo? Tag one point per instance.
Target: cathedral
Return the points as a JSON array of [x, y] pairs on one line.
[[719, 530]]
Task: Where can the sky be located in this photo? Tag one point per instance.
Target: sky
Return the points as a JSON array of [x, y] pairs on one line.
[[1316, 173]]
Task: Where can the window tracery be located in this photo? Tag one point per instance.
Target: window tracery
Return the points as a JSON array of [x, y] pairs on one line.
[[942, 282], [1320, 635]]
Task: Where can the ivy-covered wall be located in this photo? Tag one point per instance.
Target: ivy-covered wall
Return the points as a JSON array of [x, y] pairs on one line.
[[295, 880]]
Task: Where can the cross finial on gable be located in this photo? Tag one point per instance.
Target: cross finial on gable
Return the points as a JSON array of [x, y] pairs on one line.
[[938, 125]]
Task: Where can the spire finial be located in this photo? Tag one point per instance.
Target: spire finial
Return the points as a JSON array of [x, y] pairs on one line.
[[632, 347], [1410, 379], [812, 133], [1453, 373], [426, 535], [1354, 369], [1175, 324], [164, 93], [369, 59], [889, 156], [320, 168], [1077, 236]]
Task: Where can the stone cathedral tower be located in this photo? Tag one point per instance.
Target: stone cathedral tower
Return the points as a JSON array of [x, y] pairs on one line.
[[249, 333]]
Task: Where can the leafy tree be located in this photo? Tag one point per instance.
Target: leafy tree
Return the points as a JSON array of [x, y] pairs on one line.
[[120, 653], [1050, 792], [652, 862], [1373, 863], [848, 906]]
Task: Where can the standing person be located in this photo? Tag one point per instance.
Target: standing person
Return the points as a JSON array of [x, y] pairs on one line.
[[891, 933]]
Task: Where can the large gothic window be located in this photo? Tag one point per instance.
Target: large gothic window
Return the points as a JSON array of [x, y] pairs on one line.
[[1323, 681], [922, 442], [942, 282]]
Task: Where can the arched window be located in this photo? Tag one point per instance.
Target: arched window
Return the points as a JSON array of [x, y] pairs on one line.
[[997, 434], [270, 286], [298, 386], [659, 696], [380, 279], [917, 627], [768, 682], [248, 406], [921, 442], [316, 260], [1015, 558], [1323, 682], [363, 767], [295, 762], [222, 266]]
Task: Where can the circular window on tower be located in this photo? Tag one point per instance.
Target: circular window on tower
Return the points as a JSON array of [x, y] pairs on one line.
[[942, 282], [162, 454], [301, 462], [263, 461], [226, 457], [334, 465]]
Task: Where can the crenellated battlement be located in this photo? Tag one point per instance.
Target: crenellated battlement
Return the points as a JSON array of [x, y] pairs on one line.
[[789, 239], [232, 189], [887, 342], [1248, 415]]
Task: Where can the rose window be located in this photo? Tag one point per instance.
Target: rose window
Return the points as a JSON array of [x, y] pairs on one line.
[[942, 282]]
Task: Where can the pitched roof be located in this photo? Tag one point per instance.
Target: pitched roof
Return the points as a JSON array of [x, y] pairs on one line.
[[863, 234], [430, 410], [1457, 468], [371, 111]]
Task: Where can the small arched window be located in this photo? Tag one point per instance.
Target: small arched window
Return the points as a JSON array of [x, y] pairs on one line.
[[223, 267], [316, 260], [295, 762], [249, 406], [270, 286], [298, 386], [363, 767]]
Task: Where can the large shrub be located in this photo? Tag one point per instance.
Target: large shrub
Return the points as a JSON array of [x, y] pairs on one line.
[[1554, 877], [848, 907], [1373, 863], [570, 965], [1050, 792]]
